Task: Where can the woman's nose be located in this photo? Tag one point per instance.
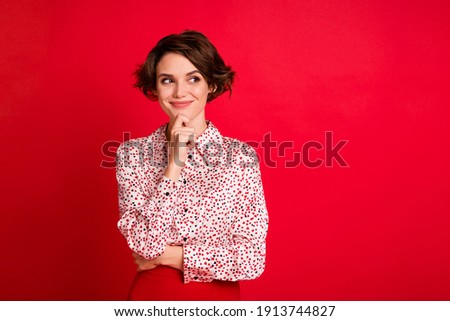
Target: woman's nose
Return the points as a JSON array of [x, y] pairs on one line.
[[180, 90]]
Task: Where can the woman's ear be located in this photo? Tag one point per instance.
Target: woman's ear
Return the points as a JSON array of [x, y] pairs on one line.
[[212, 89]]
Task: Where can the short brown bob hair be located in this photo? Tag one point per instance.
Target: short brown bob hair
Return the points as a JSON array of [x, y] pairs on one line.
[[201, 53]]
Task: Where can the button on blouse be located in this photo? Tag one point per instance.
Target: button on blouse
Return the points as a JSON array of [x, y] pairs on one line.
[[216, 210]]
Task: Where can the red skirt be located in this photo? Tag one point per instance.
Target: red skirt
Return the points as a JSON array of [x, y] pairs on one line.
[[164, 283]]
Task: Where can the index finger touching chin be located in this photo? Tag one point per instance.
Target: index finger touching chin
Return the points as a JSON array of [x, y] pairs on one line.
[[182, 120]]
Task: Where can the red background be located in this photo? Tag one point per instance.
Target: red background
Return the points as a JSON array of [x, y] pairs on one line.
[[375, 73]]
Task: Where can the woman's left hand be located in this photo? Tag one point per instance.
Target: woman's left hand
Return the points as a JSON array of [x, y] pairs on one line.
[[172, 256], [144, 264]]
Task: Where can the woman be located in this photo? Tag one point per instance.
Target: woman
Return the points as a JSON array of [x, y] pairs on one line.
[[191, 201]]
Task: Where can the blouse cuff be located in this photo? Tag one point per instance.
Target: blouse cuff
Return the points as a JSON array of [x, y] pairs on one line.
[[196, 266]]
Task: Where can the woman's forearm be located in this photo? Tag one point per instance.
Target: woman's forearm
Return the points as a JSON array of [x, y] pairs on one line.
[[173, 257]]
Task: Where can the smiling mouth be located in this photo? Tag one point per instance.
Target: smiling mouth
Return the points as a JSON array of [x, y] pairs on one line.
[[180, 104]]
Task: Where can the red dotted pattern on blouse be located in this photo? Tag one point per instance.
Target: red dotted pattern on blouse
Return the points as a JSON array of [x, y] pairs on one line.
[[216, 210]]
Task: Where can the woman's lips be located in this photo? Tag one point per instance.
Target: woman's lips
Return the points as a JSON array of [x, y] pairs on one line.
[[180, 104]]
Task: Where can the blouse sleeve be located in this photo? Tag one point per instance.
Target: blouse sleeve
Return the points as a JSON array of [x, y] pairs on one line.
[[244, 257], [144, 219]]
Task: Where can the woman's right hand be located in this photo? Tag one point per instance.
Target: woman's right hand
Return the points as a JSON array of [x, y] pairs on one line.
[[182, 136]]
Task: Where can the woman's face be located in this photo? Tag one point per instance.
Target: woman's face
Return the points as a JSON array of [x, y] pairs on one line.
[[180, 87]]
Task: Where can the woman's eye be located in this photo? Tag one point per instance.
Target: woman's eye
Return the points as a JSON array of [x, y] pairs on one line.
[[166, 81], [194, 79]]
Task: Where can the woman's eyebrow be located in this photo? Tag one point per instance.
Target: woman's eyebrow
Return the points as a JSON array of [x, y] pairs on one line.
[[169, 75], [192, 72]]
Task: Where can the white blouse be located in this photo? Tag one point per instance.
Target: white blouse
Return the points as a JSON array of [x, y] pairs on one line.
[[216, 210]]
